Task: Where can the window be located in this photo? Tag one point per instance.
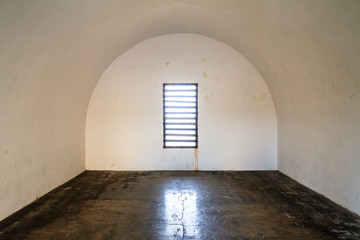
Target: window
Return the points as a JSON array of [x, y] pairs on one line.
[[180, 115]]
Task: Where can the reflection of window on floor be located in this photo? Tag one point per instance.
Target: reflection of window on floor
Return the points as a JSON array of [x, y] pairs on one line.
[[180, 110], [181, 212]]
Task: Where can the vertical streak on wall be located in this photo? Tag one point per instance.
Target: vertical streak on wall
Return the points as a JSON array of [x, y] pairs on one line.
[[196, 159]]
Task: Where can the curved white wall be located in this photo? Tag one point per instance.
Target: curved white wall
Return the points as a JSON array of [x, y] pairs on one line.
[[237, 121]]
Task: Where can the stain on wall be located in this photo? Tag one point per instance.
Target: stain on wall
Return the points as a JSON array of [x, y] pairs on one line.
[[196, 159], [261, 97]]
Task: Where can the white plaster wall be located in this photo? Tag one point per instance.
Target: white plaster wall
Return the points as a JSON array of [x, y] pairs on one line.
[[318, 100], [42, 101], [237, 120]]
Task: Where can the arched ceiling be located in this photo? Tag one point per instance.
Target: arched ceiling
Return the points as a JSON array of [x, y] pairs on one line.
[[281, 38], [53, 52]]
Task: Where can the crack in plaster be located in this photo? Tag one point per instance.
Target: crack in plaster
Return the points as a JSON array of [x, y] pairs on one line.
[[182, 212]]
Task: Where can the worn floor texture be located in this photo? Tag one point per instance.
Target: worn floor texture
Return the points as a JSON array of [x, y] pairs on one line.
[[182, 205]]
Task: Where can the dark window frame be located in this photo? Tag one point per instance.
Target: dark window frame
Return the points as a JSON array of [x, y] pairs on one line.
[[196, 115]]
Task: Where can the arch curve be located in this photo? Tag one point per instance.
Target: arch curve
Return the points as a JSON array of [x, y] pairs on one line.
[[237, 120]]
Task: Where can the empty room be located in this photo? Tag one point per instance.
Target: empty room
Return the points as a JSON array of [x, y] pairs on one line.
[[180, 119]]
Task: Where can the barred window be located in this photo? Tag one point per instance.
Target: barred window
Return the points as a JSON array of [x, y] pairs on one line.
[[180, 115]]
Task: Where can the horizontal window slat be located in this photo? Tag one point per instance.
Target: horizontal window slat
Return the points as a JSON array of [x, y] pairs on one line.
[[168, 140], [167, 107], [180, 138], [184, 86], [180, 90], [182, 132], [180, 126], [179, 101], [172, 118], [181, 147], [180, 113], [180, 94], [189, 121], [181, 135], [180, 129], [181, 123], [181, 144], [180, 105], [180, 110], [179, 116]]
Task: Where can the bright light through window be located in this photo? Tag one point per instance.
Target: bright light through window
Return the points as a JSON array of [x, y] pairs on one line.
[[180, 109]]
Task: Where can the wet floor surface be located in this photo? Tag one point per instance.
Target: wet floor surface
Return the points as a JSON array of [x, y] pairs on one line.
[[182, 205]]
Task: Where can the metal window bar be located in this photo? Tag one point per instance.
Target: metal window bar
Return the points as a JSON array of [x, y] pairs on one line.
[[182, 94]]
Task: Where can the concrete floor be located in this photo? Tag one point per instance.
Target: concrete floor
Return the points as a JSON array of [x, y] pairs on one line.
[[182, 205]]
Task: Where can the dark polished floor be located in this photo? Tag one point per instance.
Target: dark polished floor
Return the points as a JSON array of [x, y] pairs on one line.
[[182, 205]]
